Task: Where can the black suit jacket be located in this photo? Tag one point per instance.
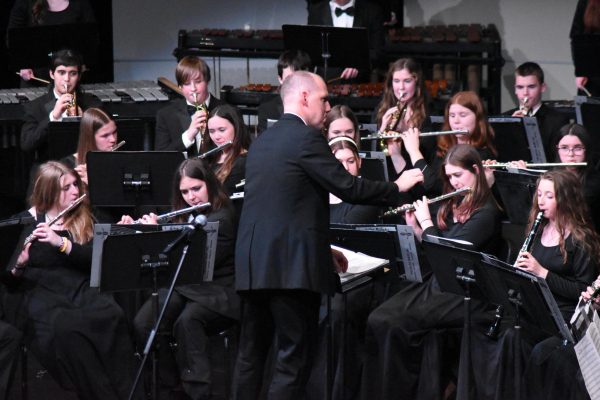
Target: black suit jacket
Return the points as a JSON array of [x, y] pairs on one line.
[[283, 237], [270, 109], [172, 121], [34, 133], [549, 122], [366, 15]]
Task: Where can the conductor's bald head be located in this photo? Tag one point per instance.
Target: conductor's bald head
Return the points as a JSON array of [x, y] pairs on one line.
[[305, 94]]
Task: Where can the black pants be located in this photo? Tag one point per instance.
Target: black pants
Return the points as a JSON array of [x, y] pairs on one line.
[[288, 318], [10, 338], [190, 324]]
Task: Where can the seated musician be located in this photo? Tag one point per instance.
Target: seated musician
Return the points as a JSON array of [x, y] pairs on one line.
[[196, 311], [97, 132], [340, 212], [288, 62], [341, 121], [77, 333], [10, 341], [180, 125], [565, 253], [529, 87], [64, 98], [407, 336], [402, 108], [225, 124]]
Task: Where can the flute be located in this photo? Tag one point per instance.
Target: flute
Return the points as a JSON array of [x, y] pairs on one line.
[[118, 145], [71, 206], [527, 243], [216, 149], [538, 165], [170, 215], [411, 207], [396, 135]]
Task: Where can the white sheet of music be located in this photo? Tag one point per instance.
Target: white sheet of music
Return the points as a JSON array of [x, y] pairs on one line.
[[588, 356]]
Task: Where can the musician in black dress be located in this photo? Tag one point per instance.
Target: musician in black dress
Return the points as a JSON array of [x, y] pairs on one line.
[[77, 333], [225, 124], [403, 101], [65, 71], [565, 252], [408, 335], [47, 12], [199, 310], [180, 125]]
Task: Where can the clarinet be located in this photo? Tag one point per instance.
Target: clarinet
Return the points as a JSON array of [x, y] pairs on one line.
[[494, 328]]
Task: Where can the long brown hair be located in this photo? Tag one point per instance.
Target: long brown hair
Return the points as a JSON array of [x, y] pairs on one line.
[[571, 212], [464, 156], [591, 17], [241, 139], [481, 137], [46, 193], [92, 120], [197, 169], [416, 104], [38, 10]]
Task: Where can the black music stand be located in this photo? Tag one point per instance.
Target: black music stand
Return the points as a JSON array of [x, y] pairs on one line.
[[135, 261], [587, 111], [130, 178], [373, 165], [29, 47], [330, 46], [517, 190], [63, 137], [12, 230], [472, 274]]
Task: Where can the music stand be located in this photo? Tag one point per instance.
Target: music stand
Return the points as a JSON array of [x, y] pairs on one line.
[[330, 46], [587, 111], [373, 165], [130, 178], [517, 191], [29, 47], [12, 232]]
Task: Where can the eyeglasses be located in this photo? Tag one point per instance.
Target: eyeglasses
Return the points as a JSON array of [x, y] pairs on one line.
[[577, 150]]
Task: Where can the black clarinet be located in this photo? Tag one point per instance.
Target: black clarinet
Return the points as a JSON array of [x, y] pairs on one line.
[[494, 328]]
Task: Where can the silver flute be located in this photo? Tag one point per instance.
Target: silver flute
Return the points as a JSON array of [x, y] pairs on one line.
[[411, 207], [397, 135]]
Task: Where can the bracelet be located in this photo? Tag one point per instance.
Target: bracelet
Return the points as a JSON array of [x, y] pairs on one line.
[[426, 219], [65, 243]]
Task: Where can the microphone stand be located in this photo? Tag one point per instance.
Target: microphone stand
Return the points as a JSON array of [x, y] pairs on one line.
[[185, 235]]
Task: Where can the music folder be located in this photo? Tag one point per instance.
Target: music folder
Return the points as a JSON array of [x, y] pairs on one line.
[[120, 253]]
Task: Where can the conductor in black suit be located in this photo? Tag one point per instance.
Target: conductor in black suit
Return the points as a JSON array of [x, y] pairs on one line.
[[283, 258], [64, 98], [352, 14], [179, 125]]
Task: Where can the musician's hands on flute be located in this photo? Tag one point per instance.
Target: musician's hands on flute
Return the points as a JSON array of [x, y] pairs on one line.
[[148, 219], [528, 262], [46, 234], [422, 213], [340, 261], [408, 179], [587, 295], [411, 220]]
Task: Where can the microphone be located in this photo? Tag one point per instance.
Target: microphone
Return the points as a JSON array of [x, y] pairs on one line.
[[199, 221]]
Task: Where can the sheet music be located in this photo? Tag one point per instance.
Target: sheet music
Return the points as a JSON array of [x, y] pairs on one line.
[[358, 263], [410, 258], [588, 356]]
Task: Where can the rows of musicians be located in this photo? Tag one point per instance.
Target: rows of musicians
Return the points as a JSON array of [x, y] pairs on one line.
[[290, 305]]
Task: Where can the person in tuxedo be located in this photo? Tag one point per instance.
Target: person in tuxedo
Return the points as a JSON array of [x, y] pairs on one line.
[[65, 72], [283, 259], [180, 125], [288, 62], [529, 87], [351, 14]]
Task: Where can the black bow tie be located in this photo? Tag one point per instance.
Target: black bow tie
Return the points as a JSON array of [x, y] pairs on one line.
[[340, 11]]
